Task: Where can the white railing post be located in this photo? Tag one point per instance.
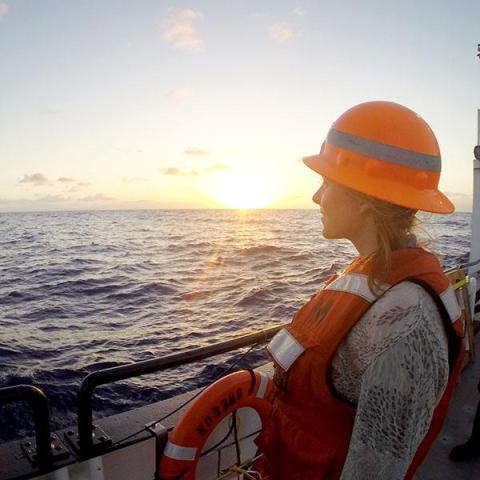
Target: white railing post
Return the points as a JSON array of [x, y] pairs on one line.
[[475, 245]]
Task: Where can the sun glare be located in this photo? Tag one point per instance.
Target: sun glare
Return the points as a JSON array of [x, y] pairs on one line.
[[244, 190]]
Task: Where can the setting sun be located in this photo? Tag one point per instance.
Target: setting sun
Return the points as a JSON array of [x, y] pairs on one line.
[[241, 189]]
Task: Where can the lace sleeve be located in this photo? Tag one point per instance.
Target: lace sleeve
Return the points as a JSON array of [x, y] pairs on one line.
[[402, 376]]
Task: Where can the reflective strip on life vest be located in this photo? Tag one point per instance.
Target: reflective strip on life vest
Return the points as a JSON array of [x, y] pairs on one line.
[[382, 151], [263, 385], [177, 452], [449, 299], [285, 348], [357, 284]]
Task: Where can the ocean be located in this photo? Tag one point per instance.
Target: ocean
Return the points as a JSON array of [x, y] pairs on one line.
[[82, 291]]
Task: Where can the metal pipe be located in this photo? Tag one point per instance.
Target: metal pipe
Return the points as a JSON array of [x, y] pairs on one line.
[[475, 241], [123, 372], [39, 404]]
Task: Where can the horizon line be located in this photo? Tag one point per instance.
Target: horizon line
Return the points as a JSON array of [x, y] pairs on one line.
[[177, 208]]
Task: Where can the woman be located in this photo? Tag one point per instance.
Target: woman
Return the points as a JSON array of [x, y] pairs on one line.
[[361, 373]]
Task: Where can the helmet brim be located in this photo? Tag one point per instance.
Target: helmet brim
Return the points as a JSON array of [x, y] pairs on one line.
[[425, 199]]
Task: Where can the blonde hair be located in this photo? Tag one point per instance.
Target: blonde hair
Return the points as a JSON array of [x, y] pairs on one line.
[[394, 230]]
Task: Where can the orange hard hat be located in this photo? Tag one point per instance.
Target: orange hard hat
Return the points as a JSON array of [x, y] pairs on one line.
[[386, 151]]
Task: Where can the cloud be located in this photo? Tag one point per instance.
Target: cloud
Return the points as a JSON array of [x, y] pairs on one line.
[[213, 168], [179, 29], [3, 9], [35, 179], [195, 151], [98, 197], [281, 32], [179, 94], [53, 198], [463, 201], [459, 195], [78, 186], [170, 171], [174, 171], [133, 180], [69, 181], [299, 12]]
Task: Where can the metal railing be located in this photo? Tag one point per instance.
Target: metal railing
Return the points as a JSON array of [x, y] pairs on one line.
[[39, 404], [123, 372]]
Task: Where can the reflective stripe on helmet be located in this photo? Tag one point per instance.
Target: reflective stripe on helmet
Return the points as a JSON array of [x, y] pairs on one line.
[[382, 151], [357, 284], [449, 299], [177, 452], [285, 348]]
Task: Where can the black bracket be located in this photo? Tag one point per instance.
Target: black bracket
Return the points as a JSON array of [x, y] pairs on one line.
[[59, 452], [161, 438], [100, 440]]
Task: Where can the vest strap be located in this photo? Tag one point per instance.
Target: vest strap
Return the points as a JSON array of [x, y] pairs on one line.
[[449, 299], [357, 284], [285, 348], [454, 341], [263, 385]]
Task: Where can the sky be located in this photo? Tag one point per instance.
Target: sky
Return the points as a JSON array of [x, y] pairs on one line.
[[211, 104]]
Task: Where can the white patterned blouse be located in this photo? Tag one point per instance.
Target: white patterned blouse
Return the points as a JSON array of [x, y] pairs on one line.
[[394, 366]]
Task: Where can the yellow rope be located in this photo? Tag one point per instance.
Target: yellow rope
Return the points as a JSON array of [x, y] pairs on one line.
[[249, 474], [461, 283]]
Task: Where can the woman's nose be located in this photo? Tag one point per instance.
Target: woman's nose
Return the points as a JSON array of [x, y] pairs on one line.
[[317, 196]]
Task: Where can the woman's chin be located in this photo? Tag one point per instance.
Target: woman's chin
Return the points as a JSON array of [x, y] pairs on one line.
[[330, 233], [325, 232]]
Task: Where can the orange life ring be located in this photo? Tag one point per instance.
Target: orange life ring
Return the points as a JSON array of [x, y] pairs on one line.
[[186, 441]]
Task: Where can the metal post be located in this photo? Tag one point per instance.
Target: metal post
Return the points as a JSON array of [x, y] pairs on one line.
[[38, 402], [475, 244]]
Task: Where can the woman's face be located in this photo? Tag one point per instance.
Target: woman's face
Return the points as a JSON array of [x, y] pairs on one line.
[[343, 213]]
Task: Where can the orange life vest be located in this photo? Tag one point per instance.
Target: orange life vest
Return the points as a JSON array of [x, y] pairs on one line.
[[308, 432]]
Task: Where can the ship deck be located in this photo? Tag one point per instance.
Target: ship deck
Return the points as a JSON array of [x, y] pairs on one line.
[[141, 451], [456, 430]]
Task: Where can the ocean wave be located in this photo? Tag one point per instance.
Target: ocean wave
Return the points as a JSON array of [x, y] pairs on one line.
[[47, 313], [195, 295], [85, 287], [263, 250], [10, 353], [16, 297], [299, 256], [152, 289], [257, 296]]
